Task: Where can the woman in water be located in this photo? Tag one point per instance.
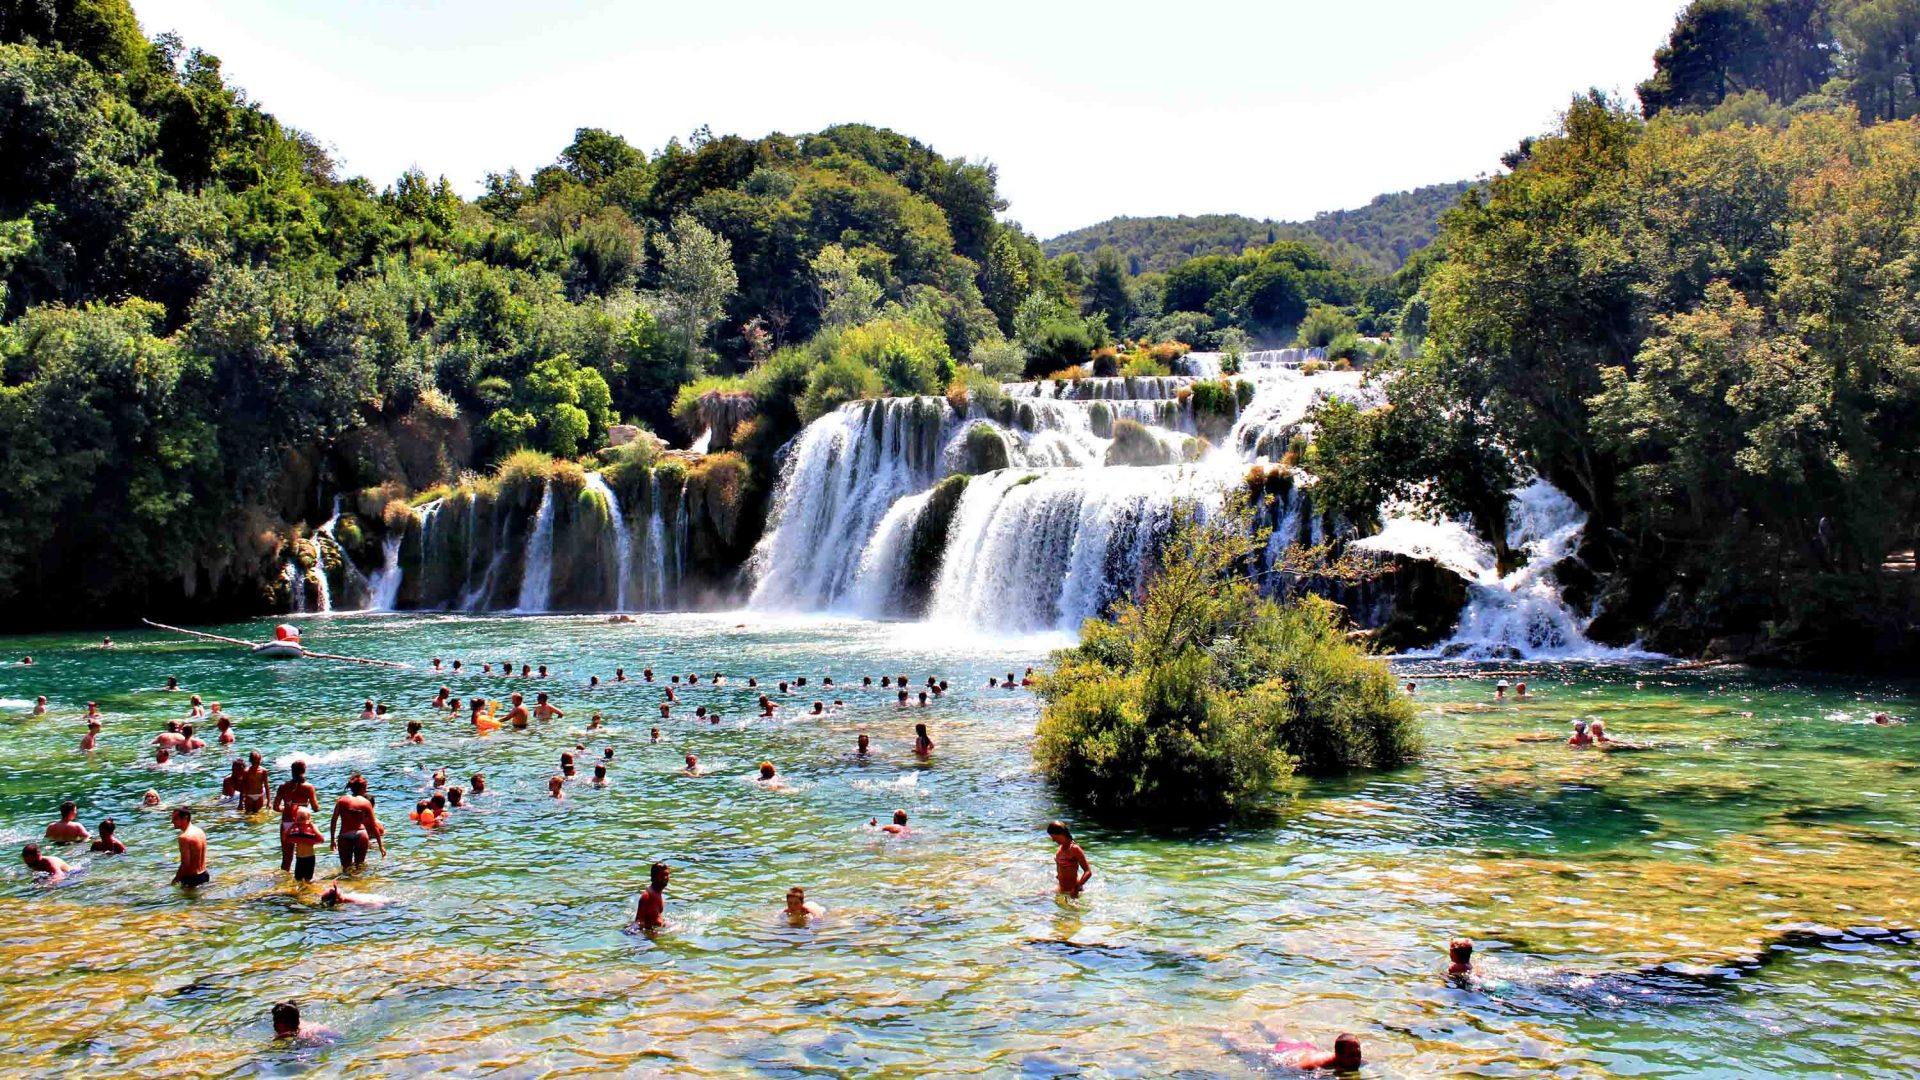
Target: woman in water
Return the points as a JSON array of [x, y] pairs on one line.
[[1069, 861], [922, 742]]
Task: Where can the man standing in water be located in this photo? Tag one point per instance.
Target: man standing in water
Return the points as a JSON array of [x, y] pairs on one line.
[[354, 825], [295, 792], [68, 829], [193, 850], [651, 915], [1069, 862]]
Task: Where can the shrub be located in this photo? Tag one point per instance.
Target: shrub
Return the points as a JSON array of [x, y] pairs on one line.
[[1059, 343], [1141, 363], [971, 387], [1197, 701], [986, 449], [1067, 375], [1133, 444], [1100, 419], [835, 383], [1213, 397], [1001, 361], [524, 467]]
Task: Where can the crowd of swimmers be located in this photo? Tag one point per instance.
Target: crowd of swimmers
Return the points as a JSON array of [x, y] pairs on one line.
[[354, 826]]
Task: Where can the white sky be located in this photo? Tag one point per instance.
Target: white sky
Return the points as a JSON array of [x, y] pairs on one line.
[[1279, 109]]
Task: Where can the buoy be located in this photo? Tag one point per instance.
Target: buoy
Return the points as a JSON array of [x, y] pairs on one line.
[[286, 632]]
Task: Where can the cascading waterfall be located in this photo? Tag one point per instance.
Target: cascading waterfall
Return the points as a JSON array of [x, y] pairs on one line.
[[656, 541], [536, 581], [1520, 614], [1054, 536], [384, 586], [622, 541]]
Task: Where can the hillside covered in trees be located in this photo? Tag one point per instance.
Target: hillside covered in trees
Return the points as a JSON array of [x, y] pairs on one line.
[[1378, 237]]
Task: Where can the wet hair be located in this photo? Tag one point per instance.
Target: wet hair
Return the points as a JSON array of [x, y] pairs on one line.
[[599, 772], [30, 852], [899, 817], [67, 809], [1059, 828], [766, 769], [106, 828], [1346, 1041], [455, 795], [299, 768], [1460, 950], [183, 813], [286, 1014], [657, 871], [357, 784]]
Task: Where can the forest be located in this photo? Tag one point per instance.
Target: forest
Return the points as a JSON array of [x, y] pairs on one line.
[[1697, 316]]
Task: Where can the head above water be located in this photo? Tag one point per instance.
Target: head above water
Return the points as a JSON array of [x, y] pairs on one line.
[[286, 1014], [1346, 1052], [658, 875]]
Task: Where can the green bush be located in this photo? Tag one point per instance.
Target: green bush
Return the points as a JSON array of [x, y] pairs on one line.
[[835, 383], [1133, 444], [1057, 345], [986, 449], [1195, 703]]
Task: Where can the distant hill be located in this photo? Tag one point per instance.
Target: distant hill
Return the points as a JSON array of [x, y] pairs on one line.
[[1379, 235]]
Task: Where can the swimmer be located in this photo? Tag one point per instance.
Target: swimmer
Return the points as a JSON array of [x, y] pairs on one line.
[[518, 715], [693, 766], [107, 843], [619, 674], [1580, 736], [713, 718], [367, 711], [380, 711], [606, 755], [526, 671], [302, 834], [1519, 690], [226, 728], [1069, 861], [1410, 689], [902, 700], [252, 784], [162, 755], [92, 737], [656, 735], [439, 778], [666, 710], [647, 674], [898, 827], [1344, 1057], [799, 909], [767, 707], [886, 681], [673, 695], [440, 699], [436, 663], [230, 786], [651, 914], [106, 643], [195, 710], [599, 776], [993, 682], [1885, 720], [477, 783], [862, 746], [68, 829], [193, 851], [556, 785], [922, 742], [456, 797], [593, 682], [93, 710], [866, 682], [752, 683], [700, 713], [1460, 957], [169, 739], [353, 825], [150, 800], [923, 699], [819, 709], [173, 684], [456, 667], [40, 705], [413, 732], [54, 868], [335, 896], [1500, 690], [593, 722], [1599, 728], [768, 776], [566, 764], [188, 743], [287, 1025]]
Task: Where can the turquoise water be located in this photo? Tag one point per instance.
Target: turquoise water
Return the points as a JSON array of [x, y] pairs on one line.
[[1620, 900]]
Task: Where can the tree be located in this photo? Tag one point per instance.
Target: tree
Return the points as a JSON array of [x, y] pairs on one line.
[[696, 271], [846, 296], [1107, 294]]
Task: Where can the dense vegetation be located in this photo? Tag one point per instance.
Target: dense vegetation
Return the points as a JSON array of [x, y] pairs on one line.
[[1197, 700], [206, 329], [1379, 236], [1705, 327]]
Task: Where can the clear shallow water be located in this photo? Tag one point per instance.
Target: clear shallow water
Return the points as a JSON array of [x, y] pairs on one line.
[[1763, 804]]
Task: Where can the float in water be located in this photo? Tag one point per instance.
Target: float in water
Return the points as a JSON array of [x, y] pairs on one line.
[[284, 646]]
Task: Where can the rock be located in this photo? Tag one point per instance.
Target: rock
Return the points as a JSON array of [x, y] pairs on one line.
[[622, 434]]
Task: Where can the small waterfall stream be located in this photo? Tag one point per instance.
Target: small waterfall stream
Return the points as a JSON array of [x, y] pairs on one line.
[[622, 541], [536, 581], [384, 586]]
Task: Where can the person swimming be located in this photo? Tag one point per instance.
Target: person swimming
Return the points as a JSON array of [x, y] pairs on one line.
[[1344, 1057], [922, 742], [799, 910], [477, 784], [413, 732], [1580, 736], [54, 868], [898, 827], [542, 710], [599, 776], [92, 737], [68, 829], [1460, 957], [40, 706], [862, 746], [566, 764], [556, 786], [693, 766], [106, 843]]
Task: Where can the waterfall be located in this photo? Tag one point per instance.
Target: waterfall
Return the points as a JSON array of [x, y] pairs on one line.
[[536, 581], [476, 597], [384, 586], [296, 586], [1522, 613], [321, 587], [700, 444], [622, 541], [883, 562], [351, 582], [656, 540]]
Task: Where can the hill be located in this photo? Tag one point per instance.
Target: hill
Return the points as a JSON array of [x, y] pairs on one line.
[[1379, 235]]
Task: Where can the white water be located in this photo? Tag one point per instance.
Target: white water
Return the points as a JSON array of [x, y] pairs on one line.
[[622, 541], [1520, 613], [321, 588], [656, 539], [700, 444], [384, 586], [536, 580], [296, 586]]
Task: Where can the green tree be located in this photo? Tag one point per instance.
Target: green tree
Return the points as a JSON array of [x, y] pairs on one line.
[[697, 274]]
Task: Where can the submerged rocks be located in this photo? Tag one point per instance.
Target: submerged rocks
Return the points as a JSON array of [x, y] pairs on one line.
[[1406, 603]]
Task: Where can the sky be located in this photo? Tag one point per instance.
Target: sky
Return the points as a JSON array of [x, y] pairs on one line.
[[1279, 109]]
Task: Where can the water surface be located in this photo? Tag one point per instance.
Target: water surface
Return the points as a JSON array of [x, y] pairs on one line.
[[1623, 902]]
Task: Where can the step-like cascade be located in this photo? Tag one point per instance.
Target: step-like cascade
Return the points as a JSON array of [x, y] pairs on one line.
[[1052, 503]]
